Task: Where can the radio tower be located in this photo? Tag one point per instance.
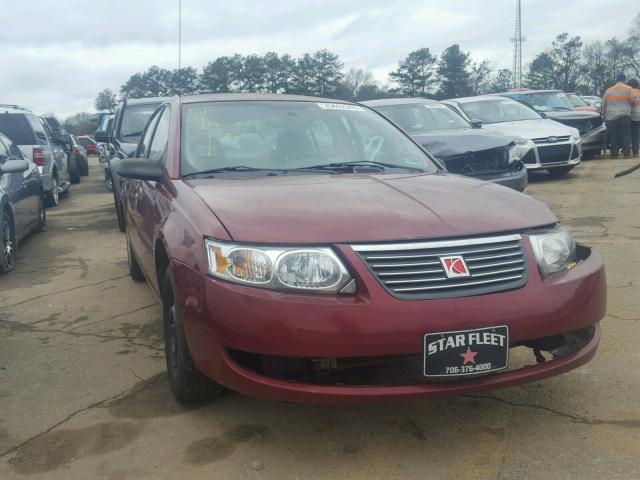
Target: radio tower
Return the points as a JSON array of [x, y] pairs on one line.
[[517, 41]]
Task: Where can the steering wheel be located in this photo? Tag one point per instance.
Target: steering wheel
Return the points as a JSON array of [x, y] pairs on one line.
[[373, 143]]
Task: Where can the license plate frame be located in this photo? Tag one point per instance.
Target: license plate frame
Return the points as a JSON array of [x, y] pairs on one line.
[[451, 358]]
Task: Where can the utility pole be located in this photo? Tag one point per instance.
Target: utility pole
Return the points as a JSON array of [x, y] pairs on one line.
[[517, 41]]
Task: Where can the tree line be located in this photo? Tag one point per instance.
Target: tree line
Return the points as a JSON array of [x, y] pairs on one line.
[[567, 64]]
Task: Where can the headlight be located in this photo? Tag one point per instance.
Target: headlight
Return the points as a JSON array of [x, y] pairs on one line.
[[278, 268], [576, 135], [555, 250], [514, 154]]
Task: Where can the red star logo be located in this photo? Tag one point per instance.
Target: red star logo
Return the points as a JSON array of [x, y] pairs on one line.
[[469, 356]]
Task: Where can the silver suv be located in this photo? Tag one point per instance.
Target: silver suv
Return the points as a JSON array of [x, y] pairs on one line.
[[39, 144]]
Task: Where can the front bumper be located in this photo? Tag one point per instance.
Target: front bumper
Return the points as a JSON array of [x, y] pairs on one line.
[[517, 180], [220, 317], [595, 140], [538, 163]]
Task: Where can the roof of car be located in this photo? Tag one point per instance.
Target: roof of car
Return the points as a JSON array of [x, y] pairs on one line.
[[383, 102], [143, 101], [227, 97], [479, 98], [531, 90]]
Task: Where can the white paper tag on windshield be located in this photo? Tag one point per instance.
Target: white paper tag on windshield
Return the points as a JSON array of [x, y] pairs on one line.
[[434, 105], [340, 106]]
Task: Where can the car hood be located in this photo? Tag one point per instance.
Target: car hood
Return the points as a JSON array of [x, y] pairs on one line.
[[574, 115], [532, 128], [449, 143], [325, 209]]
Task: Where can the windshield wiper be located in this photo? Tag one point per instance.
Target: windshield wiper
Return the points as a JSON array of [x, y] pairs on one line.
[[350, 166], [235, 168]]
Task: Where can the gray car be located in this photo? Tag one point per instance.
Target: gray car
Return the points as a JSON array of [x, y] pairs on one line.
[[22, 207], [38, 144]]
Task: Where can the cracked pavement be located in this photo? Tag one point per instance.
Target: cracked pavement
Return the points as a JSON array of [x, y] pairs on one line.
[[83, 392]]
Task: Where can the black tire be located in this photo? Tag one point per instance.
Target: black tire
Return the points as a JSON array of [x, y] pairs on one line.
[[42, 216], [108, 181], [53, 197], [74, 170], [122, 223], [134, 267], [84, 166], [590, 154], [187, 383], [559, 171], [7, 243]]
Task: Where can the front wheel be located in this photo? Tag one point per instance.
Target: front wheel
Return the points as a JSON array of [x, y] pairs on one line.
[[134, 267], [42, 217], [53, 196], [122, 223], [559, 171], [187, 383], [84, 166], [74, 170], [8, 237]]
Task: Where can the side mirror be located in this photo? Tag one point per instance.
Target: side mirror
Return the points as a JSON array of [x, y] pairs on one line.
[[140, 169], [14, 166], [475, 123], [102, 136]]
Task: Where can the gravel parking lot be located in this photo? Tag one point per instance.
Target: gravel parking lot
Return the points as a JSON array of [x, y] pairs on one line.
[[83, 392]]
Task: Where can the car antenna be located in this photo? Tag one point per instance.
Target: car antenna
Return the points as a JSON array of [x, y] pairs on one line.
[[179, 44]]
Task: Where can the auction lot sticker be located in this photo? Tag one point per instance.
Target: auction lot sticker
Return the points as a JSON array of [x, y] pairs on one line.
[[340, 106], [466, 352]]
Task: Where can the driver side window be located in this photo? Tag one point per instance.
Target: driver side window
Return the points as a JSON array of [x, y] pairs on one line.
[[143, 146]]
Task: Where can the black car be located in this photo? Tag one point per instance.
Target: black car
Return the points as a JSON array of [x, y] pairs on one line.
[[464, 148], [22, 200], [122, 136], [555, 104]]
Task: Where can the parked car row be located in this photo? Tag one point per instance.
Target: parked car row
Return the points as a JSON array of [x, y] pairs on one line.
[[39, 161], [331, 226]]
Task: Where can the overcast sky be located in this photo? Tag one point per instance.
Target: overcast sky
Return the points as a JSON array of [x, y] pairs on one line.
[[57, 55]]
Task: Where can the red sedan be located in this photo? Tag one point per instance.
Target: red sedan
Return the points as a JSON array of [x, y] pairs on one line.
[[308, 250], [89, 144]]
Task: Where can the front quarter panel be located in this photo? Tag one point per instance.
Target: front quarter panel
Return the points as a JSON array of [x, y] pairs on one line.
[[188, 222]]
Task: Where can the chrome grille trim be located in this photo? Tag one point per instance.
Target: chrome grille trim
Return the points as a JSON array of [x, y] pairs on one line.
[[494, 264]]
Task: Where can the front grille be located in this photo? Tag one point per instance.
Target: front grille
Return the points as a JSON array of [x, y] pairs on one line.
[[554, 153], [551, 139], [484, 162], [416, 271], [529, 158]]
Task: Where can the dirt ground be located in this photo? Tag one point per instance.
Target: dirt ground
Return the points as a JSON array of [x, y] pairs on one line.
[[83, 392]]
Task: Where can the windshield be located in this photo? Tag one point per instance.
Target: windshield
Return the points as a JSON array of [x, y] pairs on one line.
[[548, 101], [576, 101], [416, 118], [134, 119], [499, 110], [287, 135]]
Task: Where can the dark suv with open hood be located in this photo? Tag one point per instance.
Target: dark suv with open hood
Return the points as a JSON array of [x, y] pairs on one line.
[[464, 148]]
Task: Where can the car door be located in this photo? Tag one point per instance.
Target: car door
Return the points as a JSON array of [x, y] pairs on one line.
[[152, 200], [132, 193], [16, 189], [32, 181], [59, 155]]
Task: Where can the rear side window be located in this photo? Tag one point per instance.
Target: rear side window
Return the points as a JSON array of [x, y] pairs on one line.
[[16, 127]]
